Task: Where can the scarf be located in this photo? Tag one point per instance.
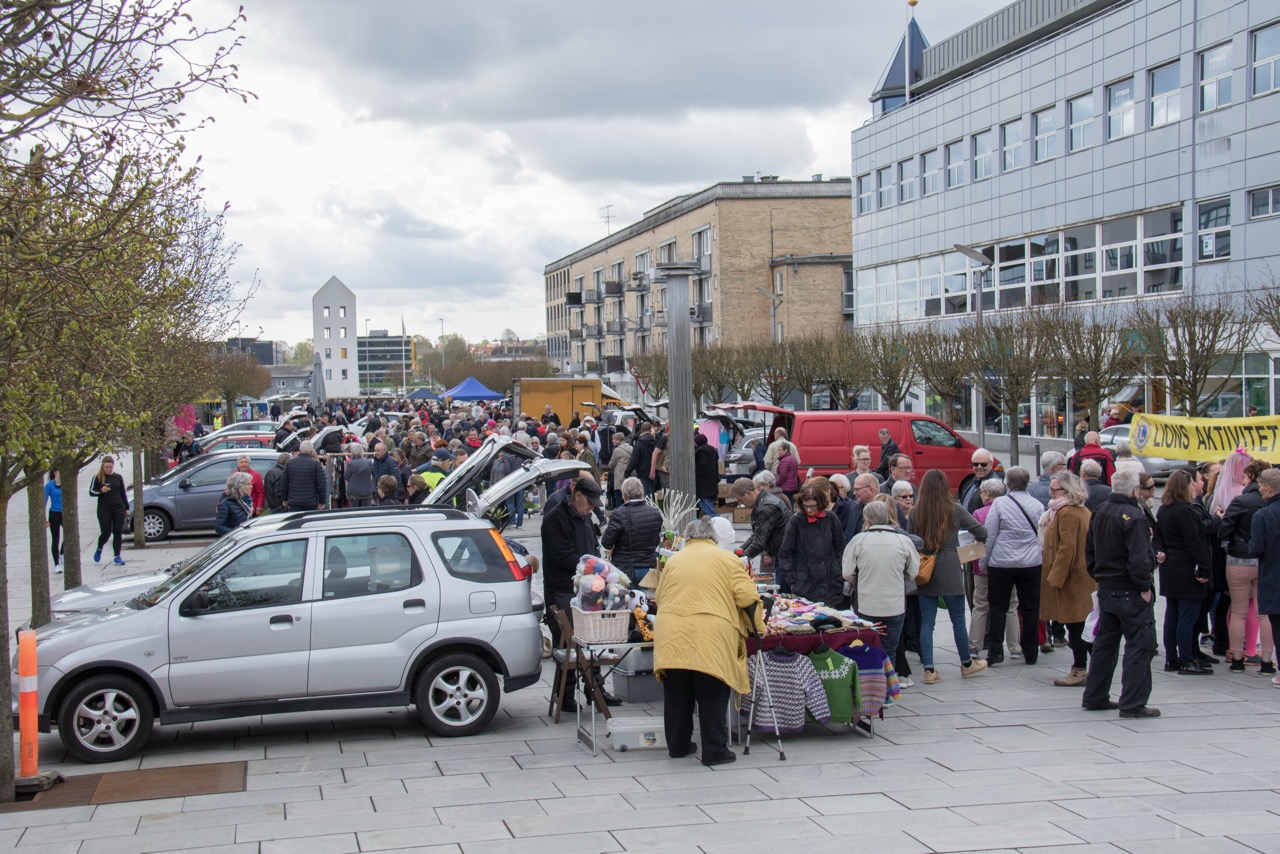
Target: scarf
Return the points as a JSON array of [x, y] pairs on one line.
[[1057, 504], [812, 519]]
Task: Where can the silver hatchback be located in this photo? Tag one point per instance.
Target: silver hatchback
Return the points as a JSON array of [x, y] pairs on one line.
[[365, 608]]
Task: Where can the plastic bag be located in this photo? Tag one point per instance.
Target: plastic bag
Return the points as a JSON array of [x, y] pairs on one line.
[[1091, 622]]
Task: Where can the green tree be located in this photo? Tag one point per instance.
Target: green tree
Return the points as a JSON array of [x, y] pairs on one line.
[[303, 354]]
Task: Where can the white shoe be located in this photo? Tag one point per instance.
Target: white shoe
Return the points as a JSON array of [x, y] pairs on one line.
[[905, 682], [57, 569]]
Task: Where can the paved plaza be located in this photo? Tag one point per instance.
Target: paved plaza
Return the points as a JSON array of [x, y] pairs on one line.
[[1002, 762]]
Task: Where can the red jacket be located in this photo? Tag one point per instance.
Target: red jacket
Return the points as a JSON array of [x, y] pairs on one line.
[[1099, 453], [259, 492]]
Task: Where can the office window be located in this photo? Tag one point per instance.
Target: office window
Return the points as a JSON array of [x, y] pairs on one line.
[[1264, 202], [932, 167], [326, 332], [1214, 239], [342, 332], [984, 160], [325, 313], [956, 163], [865, 194], [342, 311], [343, 351], [1215, 78], [1166, 102], [328, 354], [1014, 141], [328, 373], [907, 180], [884, 181], [1046, 133], [344, 373], [1266, 60], [1120, 109], [1080, 119]]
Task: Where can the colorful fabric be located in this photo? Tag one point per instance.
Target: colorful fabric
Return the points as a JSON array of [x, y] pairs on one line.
[[873, 677], [838, 674], [793, 687]]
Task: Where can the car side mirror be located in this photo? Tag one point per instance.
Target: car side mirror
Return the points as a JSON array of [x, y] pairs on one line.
[[185, 483], [197, 603]]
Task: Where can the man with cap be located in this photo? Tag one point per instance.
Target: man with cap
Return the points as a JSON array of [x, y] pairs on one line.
[[437, 469]]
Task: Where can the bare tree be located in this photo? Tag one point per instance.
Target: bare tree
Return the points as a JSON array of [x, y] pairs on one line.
[[742, 376], [1095, 349], [890, 370], [941, 355], [844, 369], [239, 375], [1009, 357], [1264, 303], [1185, 338], [652, 367], [806, 365], [769, 361], [710, 373]]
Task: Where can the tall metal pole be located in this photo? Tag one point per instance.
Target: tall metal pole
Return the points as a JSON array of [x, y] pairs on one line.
[[680, 376], [442, 349]]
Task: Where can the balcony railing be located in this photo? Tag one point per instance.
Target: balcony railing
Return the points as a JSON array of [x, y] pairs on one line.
[[590, 296], [575, 332], [704, 263], [702, 313], [593, 367], [613, 327], [660, 318], [613, 364], [592, 330], [638, 283], [613, 289]]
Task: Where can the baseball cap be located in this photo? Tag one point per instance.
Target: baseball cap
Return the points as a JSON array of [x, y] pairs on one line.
[[442, 454]]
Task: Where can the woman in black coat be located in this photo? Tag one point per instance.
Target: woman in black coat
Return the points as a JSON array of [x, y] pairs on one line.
[[113, 507], [706, 475], [813, 548], [1182, 544], [235, 506]]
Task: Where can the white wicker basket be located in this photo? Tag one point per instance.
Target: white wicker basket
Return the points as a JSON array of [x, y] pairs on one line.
[[601, 626]]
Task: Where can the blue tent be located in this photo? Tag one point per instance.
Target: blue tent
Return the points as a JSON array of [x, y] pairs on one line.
[[423, 393], [471, 389]]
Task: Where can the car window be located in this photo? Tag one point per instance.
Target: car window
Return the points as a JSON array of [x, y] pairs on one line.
[[932, 433], [265, 575], [214, 473], [368, 563], [262, 465], [472, 556]]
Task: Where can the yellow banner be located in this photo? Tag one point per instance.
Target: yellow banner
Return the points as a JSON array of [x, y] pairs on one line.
[[1205, 439]]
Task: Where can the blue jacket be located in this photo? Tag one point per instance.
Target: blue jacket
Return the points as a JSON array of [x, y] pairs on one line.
[[53, 495], [1265, 543], [232, 513]]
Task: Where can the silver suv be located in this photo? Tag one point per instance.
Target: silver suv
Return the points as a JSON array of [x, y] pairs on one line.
[[344, 609]]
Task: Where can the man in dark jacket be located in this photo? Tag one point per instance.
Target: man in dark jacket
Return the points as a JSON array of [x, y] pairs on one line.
[[1091, 473], [285, 431], [983, 467], [1119, 557], [273, 485], [634, 532], [567, 535], [306, 486], [642, 450], [769, 517], [706, 475], [385, 464], [888, 450], [1264, 543]]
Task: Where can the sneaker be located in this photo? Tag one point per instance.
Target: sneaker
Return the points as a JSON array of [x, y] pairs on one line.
[[973, 668], [57, 570], [1140, 712], [1268, 668], [905, 682], [1237, 665], [1170, 666], [932, 676], [1253, 660], [1276, 682], [119, 561], [1046, 647], [97, 556]]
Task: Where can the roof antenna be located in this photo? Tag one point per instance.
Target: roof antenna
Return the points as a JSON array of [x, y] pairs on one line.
[[607, 210]]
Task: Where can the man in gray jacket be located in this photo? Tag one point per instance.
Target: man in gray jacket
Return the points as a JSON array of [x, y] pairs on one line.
[[359, 477]]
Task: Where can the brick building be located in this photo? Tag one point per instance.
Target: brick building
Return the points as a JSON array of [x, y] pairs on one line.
[[785, 238]]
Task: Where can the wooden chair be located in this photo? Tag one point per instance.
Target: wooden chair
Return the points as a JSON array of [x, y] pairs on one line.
[[568, 658]]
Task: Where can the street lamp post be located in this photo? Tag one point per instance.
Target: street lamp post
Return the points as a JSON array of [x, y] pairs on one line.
[[774, 302], [366, 372], [442, 349], [984, 264]]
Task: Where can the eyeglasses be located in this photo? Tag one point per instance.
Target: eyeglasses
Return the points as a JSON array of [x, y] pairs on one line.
[[1151, 485], [980, 465], [809, 505], [906, 498], [1056, 489]]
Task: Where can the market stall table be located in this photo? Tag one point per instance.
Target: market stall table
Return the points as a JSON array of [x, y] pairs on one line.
[[807, 643], [593, 689]]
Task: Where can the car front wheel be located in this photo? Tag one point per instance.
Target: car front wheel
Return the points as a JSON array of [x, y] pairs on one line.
[[456, 695], [105, 718], [155, 524]]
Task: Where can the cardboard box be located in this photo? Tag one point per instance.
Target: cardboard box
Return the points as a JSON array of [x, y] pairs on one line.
[[636, 733], [724, 490], [742, 515]]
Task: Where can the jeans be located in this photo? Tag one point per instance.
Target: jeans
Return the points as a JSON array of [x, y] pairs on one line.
[[515, 508], [681, 689], [707, 507], [1180, 616], [981, 613], [1001, 582], [1123, 613], [892, 635], [956, 606]]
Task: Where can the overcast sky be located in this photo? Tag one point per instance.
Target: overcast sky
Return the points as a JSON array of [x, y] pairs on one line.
[[436, 154]]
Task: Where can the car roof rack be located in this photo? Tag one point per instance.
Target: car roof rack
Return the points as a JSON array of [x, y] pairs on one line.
[[298, 518]]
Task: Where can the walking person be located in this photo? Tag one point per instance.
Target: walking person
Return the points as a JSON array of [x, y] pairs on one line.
[[1119, 557], [1013, 561], [881, 563], [1185, 567], [937, 520], [1066, 590], [53, 498], [1242, 570], [706, 475], [1264, 543], [113, 507]]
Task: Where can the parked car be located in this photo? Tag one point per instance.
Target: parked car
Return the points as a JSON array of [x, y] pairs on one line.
[[241, 442], [475, 470], [741, 459], [186, 497], [251, 428], [347, 609], [825, 438], [1158, 467]]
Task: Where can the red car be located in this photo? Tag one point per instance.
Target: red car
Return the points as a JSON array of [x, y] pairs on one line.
[[235, 442]]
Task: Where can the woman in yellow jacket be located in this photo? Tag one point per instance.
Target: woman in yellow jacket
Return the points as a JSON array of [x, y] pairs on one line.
[[700, 641]]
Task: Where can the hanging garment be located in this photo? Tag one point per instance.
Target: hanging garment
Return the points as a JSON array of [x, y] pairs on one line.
[[794, 686]]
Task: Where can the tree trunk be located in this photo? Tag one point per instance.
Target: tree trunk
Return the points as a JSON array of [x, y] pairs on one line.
[[229, 416], [39, 553], [139, 537], [1014, 456], [6, 687], [71, 548]]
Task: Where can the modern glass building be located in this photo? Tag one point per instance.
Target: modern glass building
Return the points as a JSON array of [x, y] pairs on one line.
[[1094, 151]]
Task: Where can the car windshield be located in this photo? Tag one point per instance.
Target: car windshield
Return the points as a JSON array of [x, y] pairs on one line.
[[197, 563]]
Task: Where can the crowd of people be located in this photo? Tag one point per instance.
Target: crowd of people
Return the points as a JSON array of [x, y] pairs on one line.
[[1024, 566]]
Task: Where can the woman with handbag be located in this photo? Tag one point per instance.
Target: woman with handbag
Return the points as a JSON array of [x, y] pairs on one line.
[[1066, 591], [937, 520], [1013, 561]]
